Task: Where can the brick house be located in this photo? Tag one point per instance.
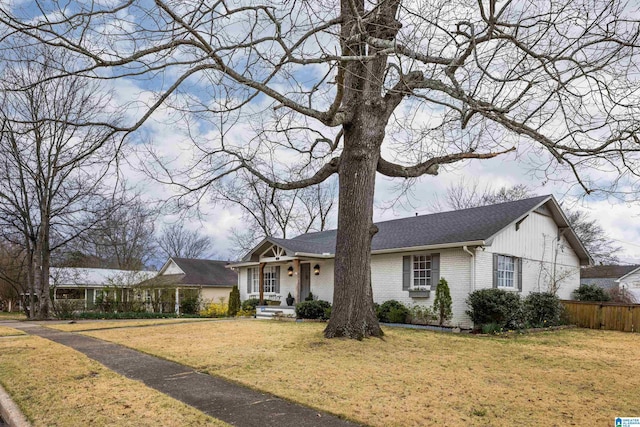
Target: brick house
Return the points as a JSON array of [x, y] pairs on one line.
[[522, 246]]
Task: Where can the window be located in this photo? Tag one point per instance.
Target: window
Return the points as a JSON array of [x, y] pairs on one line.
[[506, 272], [270, 280], [255, 280], [421, 272]]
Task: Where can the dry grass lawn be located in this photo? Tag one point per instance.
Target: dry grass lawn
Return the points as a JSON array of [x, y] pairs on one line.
[[7, 332], [57, 386], [12, 316], [570, 377], [85, 325]]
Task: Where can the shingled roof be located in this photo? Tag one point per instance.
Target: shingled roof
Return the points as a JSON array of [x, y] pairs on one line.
[[197, 272], [606, 271], [460, 226]]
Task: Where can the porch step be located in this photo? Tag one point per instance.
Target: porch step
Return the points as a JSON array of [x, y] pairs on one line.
[[268, 311]]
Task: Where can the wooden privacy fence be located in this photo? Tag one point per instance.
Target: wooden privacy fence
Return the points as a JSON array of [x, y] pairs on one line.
[[604, 315]]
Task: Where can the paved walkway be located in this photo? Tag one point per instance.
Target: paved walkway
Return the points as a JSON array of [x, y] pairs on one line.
[[227, 401]]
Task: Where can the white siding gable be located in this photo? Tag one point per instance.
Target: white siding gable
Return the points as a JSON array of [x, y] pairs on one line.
[[539, 244], [172, 268], [631, 283]]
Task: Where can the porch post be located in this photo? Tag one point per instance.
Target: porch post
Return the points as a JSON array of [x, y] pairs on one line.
[[296, 271], [261, 282], [177, 307]]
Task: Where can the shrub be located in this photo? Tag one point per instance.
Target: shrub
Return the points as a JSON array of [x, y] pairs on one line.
[[250, 304], [398, 315], [213, 309], [234, 301], [421, 315], [495, 306], [315, 309], [442, 303], [621, 296], [245, 313], [491, 328], [400, 312], [590, 293], [65, 309], [543, 309], [124, 315], [190, 304]]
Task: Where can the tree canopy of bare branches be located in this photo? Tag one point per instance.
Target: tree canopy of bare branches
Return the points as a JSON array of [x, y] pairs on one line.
[[125, 239], [177, 241], [356, 88], [268, 212], [52, 160]]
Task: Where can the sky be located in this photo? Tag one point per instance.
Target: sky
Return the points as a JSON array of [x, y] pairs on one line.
[[166, 133], [620, 221]]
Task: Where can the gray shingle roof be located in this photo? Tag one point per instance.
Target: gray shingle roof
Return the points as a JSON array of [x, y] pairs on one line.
[[202, 272], [606, 271], [459, 226]]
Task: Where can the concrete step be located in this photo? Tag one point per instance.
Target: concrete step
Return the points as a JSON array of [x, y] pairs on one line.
[[266, 312]]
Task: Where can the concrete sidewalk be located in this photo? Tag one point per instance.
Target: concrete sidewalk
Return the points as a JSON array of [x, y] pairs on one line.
[[225, 400]]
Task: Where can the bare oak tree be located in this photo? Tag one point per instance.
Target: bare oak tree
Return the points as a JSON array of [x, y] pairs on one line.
[[124, 239], [356, 88], [52, 160], [178, 241], [269, 212], [13, 269]]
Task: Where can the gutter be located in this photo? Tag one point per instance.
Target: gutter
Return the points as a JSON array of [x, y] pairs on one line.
[[473, 267], [327, 255], [405, 249]]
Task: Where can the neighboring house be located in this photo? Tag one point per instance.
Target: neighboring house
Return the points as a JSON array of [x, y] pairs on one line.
[[523, 246], [84, 286], [209, 280], [625, 277]]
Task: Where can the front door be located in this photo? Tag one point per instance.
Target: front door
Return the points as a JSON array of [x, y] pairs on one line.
[[305, 281]]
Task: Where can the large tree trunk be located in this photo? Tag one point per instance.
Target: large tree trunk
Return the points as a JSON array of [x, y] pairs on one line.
[[44, 256], [353, 314]]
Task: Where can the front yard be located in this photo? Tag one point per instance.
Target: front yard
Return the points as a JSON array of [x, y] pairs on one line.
[[570, 377], [57, 386]]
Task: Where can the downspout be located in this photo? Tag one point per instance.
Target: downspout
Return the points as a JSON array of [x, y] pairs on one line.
[[473, 267]]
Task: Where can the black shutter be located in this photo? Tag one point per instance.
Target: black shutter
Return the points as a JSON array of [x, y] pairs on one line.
[[435, 271], [277, 279], [406, 272], [249, 273], [495, 270], [519, 263]]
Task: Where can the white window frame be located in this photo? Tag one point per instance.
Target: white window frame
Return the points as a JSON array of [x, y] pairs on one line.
[[269, 280], [424, 273], [255, 280], [507, 272]]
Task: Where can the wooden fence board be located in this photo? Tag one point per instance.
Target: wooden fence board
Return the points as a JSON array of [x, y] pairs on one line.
[[600, 315]]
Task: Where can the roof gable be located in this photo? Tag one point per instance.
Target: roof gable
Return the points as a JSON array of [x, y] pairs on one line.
[[170, 267], [203, 272]]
